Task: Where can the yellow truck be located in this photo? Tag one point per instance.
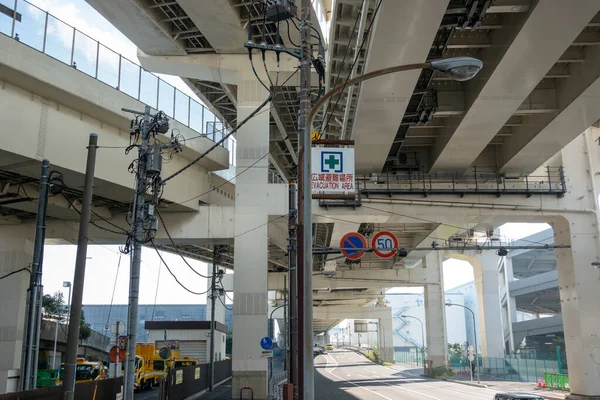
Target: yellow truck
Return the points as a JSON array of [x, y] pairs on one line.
[[148, 367], [85, 371]]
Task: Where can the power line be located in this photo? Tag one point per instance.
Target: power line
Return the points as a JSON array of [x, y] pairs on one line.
[[156, 292], [175, 246], [113, 293], [15, 272], [173, 275], [123, 231], [224, 305]]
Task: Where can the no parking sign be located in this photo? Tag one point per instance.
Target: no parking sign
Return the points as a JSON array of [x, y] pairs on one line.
[[385, 244]]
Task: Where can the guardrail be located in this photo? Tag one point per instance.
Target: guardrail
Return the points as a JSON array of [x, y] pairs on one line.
[[557, 381], [46, 33]]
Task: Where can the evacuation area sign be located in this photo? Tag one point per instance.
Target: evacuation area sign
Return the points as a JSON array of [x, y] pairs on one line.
[[332, 170]]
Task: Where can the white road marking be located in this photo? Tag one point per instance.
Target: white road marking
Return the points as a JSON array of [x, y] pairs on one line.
[[361, 387], [403, 388]]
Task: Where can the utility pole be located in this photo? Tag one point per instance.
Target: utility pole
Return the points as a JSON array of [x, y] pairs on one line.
[[293, 353], [136, 257], [35, 291], [78, 280], [213, 299], [145, 224], [305, 364]]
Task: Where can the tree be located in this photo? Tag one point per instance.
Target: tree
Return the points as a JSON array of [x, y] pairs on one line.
[[456, 350], [85, 330], [54, 306]]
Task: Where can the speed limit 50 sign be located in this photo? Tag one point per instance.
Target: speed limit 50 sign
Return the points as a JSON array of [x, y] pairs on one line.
[[385, 244]]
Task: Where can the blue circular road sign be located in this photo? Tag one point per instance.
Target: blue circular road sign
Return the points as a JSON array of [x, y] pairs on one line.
[[352, 241], [266, 343]]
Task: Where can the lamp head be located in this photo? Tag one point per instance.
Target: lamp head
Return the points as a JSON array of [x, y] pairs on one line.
[[404, 316], [66, 284], [458, 68], [449, 304]]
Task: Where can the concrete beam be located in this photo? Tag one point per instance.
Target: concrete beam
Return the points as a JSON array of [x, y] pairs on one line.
[[511, 76], [219, 68], [403, 33], [141, 24], [343, 312], [541, 137], [219, 23], [536, 283]]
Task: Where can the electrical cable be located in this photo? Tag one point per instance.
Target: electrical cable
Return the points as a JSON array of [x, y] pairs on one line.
[[340, 71], [156, 291], [260, 226], [176, 248], [173, 275], [123, 231], [367, 32], [224, 305], [289, 36], [15, 272], [225, 137], [227, 295], [114, 288]]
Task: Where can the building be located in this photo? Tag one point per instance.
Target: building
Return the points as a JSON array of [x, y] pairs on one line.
[[529, 293], [98, 316], [192, 338], [408, 312]]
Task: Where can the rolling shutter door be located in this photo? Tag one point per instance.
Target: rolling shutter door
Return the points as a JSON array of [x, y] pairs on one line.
[[194, 349]]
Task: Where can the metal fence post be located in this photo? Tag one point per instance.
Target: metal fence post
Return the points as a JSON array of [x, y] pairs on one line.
[[73, 47], [97, 59], [12, 29], [45, 33], [119, 73]]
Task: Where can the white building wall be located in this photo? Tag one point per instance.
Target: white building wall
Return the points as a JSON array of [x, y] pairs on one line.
[[407, 332]]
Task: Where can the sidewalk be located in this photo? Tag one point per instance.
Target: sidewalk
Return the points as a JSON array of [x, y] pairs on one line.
[[221, 392], [488, 382]]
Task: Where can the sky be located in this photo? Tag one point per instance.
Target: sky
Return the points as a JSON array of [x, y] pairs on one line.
[[104, 273]]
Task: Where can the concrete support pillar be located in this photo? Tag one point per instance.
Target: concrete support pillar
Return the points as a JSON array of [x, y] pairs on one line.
[[251, 241], [385, 341], [510, 307], [16, 250], [435, 313], [579, 285], [485, 268]]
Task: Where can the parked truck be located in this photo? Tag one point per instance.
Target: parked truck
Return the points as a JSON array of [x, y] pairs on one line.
[[85, 371], [148, 367]]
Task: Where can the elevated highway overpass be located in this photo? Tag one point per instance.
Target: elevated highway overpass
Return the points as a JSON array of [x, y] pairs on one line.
[[533, 97]]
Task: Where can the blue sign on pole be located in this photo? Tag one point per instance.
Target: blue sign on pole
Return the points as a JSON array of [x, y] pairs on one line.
[[266, 343], [352, 241]]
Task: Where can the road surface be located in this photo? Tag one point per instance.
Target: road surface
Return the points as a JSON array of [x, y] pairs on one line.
[[348, 375]]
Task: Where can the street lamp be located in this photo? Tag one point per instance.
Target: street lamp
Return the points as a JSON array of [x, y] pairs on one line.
[[68, 285], [65, 284], [474, 335], [457, 68], [422, 336]]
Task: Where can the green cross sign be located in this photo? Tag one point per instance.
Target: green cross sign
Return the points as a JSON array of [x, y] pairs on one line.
[[331, 162]]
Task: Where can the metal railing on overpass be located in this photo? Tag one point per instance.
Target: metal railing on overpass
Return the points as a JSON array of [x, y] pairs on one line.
[[46, 33], [549, 180]]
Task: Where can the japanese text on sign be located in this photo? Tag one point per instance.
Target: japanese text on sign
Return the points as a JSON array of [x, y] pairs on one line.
[[332, 170]]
